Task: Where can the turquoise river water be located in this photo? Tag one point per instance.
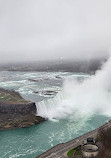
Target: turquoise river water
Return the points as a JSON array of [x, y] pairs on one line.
[[30, 142]]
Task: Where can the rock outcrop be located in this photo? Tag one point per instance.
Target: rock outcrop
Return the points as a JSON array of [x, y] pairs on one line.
[[15, 114]]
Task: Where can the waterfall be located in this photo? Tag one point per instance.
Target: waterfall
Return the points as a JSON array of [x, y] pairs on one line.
[[48, 107]]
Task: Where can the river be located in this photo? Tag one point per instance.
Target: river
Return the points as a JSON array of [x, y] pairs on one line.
[[46, 89]]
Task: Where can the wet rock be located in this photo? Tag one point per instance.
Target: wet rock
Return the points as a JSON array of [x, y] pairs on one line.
[[34, 80], [38, 80], [46, 92], [58, 77]]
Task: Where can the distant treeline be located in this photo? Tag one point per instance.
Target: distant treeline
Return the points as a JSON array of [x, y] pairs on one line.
[[85, 66]]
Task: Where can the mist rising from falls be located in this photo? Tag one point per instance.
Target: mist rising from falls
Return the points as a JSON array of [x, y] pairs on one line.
[[77, 99]]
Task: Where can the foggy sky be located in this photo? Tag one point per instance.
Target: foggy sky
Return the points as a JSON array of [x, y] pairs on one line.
[[54, 29]]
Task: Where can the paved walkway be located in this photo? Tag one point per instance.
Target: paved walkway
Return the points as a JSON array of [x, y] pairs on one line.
[[60, 151]]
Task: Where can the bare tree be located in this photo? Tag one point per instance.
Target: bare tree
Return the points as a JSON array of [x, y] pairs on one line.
[[105, 137]]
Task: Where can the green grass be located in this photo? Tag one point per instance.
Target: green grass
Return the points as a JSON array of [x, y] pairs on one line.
[[9, 97], [70, 153], [77, 150]]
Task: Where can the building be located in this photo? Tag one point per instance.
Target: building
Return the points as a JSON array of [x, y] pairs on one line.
[[89, 148]]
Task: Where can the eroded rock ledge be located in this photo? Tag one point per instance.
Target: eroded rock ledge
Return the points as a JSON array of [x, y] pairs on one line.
[[16, 111]]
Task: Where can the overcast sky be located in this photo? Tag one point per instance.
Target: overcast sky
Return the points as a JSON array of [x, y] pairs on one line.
[[45, 29]]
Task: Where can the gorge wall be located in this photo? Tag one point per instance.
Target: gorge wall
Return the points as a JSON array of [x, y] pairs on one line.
[[18, 115]]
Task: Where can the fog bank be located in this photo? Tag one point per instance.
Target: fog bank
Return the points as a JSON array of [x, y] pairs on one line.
[[40, 30]]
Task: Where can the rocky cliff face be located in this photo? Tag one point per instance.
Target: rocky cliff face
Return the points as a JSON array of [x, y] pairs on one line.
[[18, 115]]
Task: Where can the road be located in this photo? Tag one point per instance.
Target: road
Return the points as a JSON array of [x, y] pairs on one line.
[[60, 150]]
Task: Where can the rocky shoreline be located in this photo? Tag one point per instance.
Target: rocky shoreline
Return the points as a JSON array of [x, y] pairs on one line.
[[19, 114]]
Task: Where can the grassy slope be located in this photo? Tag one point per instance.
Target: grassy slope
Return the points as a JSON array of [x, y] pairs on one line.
[[77, 150], [10, 96]]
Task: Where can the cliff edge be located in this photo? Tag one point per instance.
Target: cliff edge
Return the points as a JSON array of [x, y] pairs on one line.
[[15, 111]]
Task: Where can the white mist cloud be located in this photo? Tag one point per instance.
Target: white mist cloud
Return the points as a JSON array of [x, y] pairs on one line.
[[43, 29], [93, 95]]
